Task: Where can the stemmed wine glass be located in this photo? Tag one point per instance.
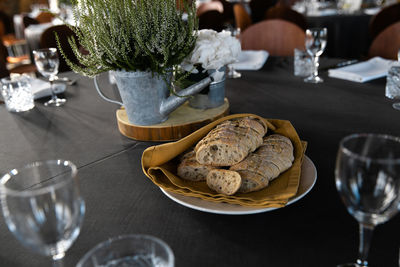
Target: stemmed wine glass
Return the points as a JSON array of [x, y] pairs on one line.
[[42, 206], [232, 73], [316, 39], [368, 181], [47, 63]]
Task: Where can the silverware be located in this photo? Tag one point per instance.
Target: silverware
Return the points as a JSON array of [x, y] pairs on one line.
[[339, 65], [66, 80]]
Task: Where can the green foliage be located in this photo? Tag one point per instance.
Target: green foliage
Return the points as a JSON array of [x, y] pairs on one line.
[[131, 35]]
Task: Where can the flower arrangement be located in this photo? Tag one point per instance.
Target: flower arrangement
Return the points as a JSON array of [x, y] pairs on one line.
[[212, 51], [131, 35]]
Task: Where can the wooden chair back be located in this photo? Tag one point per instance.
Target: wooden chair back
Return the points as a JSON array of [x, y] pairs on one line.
[[259, 7], [26, 20], [387, 16], [387, 43], [209, 6], [242, 18], [48, 39], [286, 13], [228, 16], [278, 37], [44, 17]]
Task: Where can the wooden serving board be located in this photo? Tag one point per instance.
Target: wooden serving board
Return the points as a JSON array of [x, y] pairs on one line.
[[181, 122]]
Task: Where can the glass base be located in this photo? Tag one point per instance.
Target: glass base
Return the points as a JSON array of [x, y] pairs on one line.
[[55, 102], [234, 74], [349, 265], [396, 106], [313, 79]]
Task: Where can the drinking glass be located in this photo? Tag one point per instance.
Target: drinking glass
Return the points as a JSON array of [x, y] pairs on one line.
[[42, 206], [47, 63], [315, 44], [129, 250], [232, 73], [368, 181]]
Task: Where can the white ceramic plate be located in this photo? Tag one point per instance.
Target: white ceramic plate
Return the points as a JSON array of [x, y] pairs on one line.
[[307, 180]]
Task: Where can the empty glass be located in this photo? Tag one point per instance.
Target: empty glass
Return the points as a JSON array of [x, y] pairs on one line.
[[392, 89], [232, 73], [316, 39], [17, 94], [42, 206], [129, 250], [303, 64], [47, 63], [368, 181]]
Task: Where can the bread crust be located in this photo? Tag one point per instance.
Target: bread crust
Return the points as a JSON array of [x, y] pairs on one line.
[[190, 169]]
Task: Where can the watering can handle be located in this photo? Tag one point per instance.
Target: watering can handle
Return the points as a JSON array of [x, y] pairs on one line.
[[102, 95]]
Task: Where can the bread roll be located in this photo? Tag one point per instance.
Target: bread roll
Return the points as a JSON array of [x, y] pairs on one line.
[[230, 142], [272, 158], [224, 181], [190, 169]]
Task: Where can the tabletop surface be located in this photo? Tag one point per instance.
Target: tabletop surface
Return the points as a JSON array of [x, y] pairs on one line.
[[314, 231]]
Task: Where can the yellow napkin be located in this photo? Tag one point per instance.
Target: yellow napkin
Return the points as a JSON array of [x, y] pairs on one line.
[[159, 163]]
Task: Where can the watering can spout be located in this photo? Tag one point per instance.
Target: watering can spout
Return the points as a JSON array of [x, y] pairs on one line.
[[173, 102]]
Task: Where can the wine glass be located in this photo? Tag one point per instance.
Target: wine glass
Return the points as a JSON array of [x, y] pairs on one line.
[[232, 73], [42, 206], [315, 44], [47, 63], [368, 181]]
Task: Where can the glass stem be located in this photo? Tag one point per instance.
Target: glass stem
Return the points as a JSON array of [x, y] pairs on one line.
[[316, 65], [58, 260], [53, 94], [366, 232]]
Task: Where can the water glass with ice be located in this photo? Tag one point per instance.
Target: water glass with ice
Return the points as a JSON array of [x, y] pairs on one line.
[[129, 250], [17, 94], [392, 89], [303, 64]]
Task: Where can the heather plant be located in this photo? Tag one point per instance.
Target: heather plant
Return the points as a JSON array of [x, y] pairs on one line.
[[131, 35]]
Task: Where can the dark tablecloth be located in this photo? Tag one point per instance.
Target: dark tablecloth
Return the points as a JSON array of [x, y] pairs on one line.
[[315, 231]]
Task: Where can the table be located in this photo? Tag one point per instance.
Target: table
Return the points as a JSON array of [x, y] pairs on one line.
[[313, 232]]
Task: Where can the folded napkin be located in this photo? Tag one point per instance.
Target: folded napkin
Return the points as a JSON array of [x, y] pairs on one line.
[[41, 88], [251, 60], [374, 68], [159, 163]]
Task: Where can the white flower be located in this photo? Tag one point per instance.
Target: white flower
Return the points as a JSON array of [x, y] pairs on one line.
[[213, 50]]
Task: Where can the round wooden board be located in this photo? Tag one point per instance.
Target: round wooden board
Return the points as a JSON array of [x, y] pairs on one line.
[[181, 122]]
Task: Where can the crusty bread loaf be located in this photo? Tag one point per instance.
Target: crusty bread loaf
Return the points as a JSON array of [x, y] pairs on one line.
[[190, 169], [230, 142], [273, 157], [224, 181]]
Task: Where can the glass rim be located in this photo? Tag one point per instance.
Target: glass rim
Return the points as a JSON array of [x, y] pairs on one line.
[[51, 49], [349, 152], [109, 241], [4, 189], [317, 29]]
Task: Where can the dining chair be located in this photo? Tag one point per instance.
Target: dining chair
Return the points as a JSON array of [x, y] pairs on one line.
[[277, 36], [48, 39], [44, 17], [387, 43], [387, 16], [242, 18], [286, 13], [259, 7], [209, 6], [16, 49], [210, 16], [227, 15], [6, 67], [26, 21]]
